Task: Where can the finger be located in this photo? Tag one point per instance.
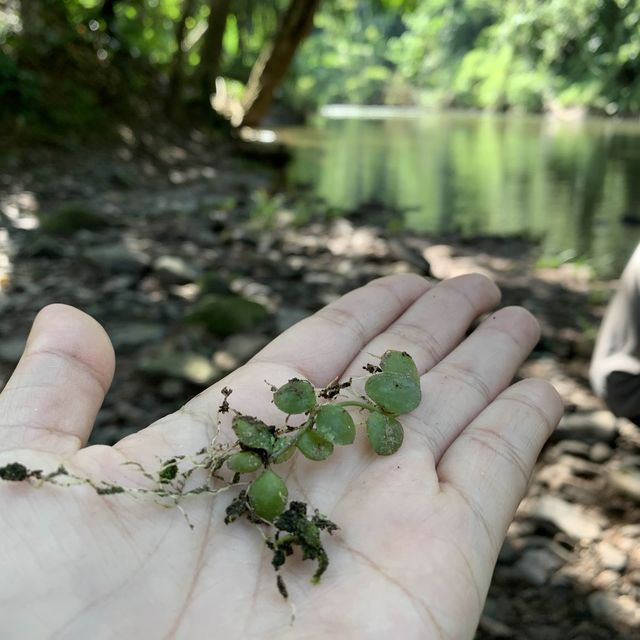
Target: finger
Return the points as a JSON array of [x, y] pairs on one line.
[[317, 348], [458, 388], [435, 323], [321, 347], [489, 465], [51, 400]]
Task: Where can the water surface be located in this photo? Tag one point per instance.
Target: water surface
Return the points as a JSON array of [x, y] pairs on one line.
[[574, 186]]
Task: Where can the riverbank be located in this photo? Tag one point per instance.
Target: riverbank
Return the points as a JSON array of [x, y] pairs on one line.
[[151, 238]]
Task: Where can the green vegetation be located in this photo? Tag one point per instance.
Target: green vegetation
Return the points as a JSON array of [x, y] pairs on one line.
[[495, 54], [264, 499], [72, 65]]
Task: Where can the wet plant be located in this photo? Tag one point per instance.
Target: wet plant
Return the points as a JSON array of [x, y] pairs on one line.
[[249, 463]]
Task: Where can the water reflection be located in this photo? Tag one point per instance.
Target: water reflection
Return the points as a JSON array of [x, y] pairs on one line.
[[576, 186]]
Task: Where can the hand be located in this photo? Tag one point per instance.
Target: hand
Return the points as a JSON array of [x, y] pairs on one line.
[[419, 530]]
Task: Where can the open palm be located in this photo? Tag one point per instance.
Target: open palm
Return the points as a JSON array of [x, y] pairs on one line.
[[419, 530]]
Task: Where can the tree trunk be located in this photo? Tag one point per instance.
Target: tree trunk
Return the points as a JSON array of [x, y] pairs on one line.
[[211, 52], [108, 14], [176, 76], [275, 59]]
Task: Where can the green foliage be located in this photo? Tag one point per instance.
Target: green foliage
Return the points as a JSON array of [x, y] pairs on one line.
[[396, 389], [253, 433], [314, 446], [335, 424], [385, 433], [268, 495], [74, 64], [296, 396], [244, 462], [264, 501]]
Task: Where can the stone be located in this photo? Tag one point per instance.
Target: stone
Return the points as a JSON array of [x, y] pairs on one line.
[[568, 518], [67, 220], [43, 246], [130, 335], [191, 367], [600, 452], [288, 316], [610, 557], [174, 270], [495, 628], [211, 282], [536, 566], [225, 315], [237, 349], [508, 553], [570, 447], [172, 389], [11, 349], [613, 609], [634, 577], [626, 481], [587, 426], [605, 579], [118, 258], [109, 435]]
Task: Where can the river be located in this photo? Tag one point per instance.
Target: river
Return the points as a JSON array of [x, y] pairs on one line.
[[573, 186]]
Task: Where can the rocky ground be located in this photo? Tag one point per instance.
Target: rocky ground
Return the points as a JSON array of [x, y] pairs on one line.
[[149, 238]]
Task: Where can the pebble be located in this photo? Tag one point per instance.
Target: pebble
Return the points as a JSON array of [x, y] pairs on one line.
[[610, 557], [567, 517], [174, 270], [131, 335], [11, 349], [587, 426], [536, 566], [118, 258], [613, 609], [605, 579], [191, 367], [626, 481], [600, 452], [288, 316]]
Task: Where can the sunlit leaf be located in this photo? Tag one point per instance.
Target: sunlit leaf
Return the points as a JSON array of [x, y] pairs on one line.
[[244, 462], [296, 396], [253, 433], [385, 433], [313, 446], [399, 362], [268, 495], [335, 424], [394, 393], [283, 449]]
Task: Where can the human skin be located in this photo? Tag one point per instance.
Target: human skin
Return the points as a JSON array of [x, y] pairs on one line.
[[419, 530]]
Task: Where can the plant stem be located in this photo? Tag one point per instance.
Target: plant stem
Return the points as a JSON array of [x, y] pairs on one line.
[[357, 403]]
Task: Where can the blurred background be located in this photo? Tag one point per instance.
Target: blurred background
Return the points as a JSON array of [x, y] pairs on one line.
[[199, 175]]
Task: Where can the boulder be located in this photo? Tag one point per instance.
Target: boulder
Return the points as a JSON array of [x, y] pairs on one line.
[[226, 315]]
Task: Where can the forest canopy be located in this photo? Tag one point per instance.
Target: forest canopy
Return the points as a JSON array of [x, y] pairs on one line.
[[74, 63]]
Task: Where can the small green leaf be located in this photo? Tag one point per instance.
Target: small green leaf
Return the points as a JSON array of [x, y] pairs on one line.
[[283, 449], [394, 393], [168, 472], [244, 462], [385, 433], [400, 363], [253, 433], [296, 396], [313, 446], [335, 424], [268, 495]]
